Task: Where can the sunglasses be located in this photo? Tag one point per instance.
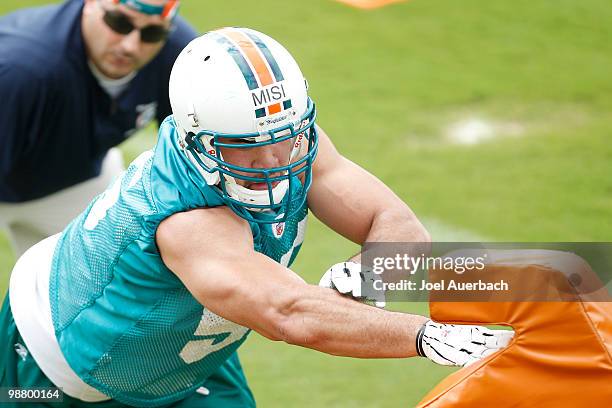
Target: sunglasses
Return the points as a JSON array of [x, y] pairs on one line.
[[121, 24]]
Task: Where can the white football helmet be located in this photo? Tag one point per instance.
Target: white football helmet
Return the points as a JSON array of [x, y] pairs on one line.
[[237, 84]]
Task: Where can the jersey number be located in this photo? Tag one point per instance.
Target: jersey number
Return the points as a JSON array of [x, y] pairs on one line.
[[214, 333], [110, 197]]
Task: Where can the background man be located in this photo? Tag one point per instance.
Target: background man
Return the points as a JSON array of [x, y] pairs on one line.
[[77, 79], [145, 297]]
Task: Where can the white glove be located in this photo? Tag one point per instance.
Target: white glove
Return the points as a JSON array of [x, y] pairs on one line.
[[459, 345], [350, 278]]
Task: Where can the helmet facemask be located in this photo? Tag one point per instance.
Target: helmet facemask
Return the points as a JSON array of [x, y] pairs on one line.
[[279, 199]]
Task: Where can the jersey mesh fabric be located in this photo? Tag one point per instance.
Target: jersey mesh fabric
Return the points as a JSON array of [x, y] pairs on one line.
[[92, 253], [142, 373], [125, 323]]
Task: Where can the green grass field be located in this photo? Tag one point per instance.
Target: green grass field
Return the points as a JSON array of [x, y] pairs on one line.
[[394, 88]]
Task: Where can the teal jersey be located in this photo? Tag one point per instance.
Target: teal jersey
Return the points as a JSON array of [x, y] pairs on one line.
[[124, 322]]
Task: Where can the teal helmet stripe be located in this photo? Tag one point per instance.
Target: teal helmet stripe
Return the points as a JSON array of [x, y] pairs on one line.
[[142, 7], [268, 55], [242, 63]]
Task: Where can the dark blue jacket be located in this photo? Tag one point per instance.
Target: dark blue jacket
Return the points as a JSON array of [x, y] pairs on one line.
[[56, 122]]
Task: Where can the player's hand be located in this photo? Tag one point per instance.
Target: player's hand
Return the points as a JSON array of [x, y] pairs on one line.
[[459, 345], [356, 280]]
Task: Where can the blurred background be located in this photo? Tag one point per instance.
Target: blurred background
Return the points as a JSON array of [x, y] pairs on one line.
[[491, 119]]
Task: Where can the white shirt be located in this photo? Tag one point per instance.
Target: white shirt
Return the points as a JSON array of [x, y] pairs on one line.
[[113, 87]]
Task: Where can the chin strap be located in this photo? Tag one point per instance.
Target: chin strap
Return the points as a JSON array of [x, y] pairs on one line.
[[256, 197]]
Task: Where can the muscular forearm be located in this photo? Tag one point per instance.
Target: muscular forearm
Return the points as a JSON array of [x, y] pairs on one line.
[[323, 320], [256, 292], [398, 225]]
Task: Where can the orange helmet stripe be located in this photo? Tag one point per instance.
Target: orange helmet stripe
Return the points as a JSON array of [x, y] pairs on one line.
[[252, 53]]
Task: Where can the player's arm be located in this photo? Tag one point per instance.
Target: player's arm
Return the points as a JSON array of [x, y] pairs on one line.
[[211, 251], [356, 204]]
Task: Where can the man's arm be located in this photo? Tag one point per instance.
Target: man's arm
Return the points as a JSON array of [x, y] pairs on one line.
[[356, 204], [211, 251], [20, 118]]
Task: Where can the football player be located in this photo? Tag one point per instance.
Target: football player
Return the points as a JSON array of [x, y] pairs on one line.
[[146, 296]]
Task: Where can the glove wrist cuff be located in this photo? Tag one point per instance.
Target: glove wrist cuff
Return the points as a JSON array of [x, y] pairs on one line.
[[419, 340]]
